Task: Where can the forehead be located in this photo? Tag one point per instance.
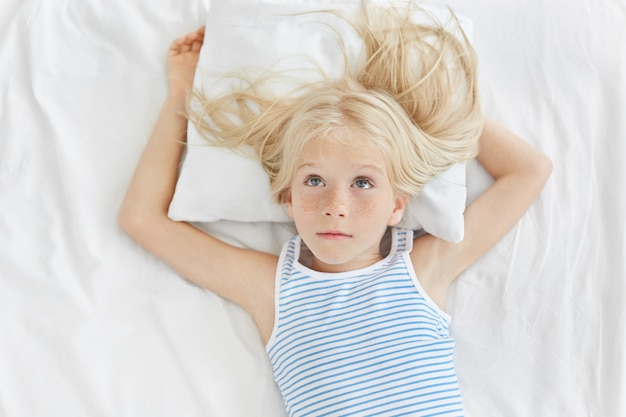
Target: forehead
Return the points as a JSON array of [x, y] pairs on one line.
[[357, 152]]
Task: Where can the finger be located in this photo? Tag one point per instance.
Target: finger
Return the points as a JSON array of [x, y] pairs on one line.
[[177, 44], [196, 46], [199, 40], [189, 42], [198, 35], [174, 48]]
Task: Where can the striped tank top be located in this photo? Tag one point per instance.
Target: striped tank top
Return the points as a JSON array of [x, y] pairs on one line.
[[361, 343]]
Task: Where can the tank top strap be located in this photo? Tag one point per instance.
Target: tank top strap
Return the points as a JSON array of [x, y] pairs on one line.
[[402, 240]]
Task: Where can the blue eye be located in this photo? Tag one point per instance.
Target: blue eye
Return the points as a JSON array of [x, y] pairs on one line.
[[314, 181], [362, 183]]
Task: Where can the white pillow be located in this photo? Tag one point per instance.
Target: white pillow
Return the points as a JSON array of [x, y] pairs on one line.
[[220, 184]]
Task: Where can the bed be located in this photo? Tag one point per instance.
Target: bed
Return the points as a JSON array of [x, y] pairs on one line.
[[92, 325]]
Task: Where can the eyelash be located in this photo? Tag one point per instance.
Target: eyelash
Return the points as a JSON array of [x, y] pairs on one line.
[[312, 177], [360, 179], [369, 182]]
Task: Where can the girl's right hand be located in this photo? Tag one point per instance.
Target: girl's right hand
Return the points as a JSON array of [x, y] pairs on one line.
[[182, 59]]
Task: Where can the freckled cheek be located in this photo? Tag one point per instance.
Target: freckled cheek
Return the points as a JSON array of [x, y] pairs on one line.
[[373, 205], [307, 204], [366, 207]]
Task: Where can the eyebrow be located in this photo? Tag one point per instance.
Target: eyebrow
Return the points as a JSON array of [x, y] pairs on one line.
[[372, 166]]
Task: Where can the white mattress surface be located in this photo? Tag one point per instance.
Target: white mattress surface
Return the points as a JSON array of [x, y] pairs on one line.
[[92, 325]]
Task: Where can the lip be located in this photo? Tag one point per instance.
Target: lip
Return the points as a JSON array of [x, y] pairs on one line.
[[333, 235]]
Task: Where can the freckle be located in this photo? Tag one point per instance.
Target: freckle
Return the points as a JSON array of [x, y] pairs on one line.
[[364, 208], [308, 205]]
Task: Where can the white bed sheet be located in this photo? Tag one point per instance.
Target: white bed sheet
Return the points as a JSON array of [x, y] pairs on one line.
[[91, 325]]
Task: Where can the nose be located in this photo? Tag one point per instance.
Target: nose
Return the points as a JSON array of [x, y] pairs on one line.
[[336, 203]]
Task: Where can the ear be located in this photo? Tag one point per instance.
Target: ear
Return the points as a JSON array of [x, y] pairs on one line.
[[288, 203], [398, 210]]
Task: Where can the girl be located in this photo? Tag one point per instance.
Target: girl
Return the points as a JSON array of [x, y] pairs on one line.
[[352, 312]]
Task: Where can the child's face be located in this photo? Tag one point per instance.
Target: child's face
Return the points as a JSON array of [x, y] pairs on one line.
[[342, 202]]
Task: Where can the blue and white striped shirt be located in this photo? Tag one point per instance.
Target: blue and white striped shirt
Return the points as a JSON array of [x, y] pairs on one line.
[[364, 343]]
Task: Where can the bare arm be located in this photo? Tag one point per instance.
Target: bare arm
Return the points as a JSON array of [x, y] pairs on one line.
[[520, 172], [242, 276]]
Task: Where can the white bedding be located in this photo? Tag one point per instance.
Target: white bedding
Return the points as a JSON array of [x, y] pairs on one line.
[[92, 325]]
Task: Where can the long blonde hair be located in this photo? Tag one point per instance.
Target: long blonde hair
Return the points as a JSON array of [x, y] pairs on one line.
[[415, 96]]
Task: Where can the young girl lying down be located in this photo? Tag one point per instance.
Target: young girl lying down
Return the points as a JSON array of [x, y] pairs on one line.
[[352, 312]]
